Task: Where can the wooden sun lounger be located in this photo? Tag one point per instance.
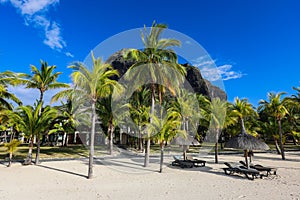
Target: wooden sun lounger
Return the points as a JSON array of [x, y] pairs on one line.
[[260, 168], [250, 174], [182, 163], [196, 162]]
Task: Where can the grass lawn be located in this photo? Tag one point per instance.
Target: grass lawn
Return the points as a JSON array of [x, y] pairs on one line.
[[80, 151], [48, 152]]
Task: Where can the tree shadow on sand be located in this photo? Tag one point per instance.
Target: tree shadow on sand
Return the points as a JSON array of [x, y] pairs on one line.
[[62, 170]]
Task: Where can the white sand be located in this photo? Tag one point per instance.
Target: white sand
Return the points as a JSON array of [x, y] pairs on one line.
[[66, 180]]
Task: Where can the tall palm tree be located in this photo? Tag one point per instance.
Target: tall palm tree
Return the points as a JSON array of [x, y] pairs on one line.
[[277, 109], [217, 120], [161, 63], [43, 80], [139, 110], [93, 84], [67, 119], [166, 127], [187, 105], [104, 111], [33, 123]]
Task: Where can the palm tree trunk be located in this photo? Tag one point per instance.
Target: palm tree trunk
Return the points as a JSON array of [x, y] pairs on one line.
[[28, 159], [10, 158], [216, 146], [242, 125], [280, 140], [37, 157], [277, 146], [140, 141], [161, 156], [92, 138], [147, 152], [111, 131], [216, 152], [40, 101], [66, 140], [246, 158]]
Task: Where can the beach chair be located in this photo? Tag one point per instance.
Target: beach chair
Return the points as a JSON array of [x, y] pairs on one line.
[[182, 163], [196, 162], [250, 174], [260, 168]]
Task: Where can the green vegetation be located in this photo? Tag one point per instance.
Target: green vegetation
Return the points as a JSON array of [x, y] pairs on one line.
[[48, 152]]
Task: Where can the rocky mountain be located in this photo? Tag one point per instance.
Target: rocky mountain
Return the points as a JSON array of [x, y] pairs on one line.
[[194, 77]]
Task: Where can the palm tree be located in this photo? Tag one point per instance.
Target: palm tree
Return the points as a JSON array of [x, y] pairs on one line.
[[139, 110], [187, 105], [104, 111], [296, 97], [241, 109], [217, 119], [66, 119], [277, 109], [5, 95], [11, 148], [166, 127], [33, 123], [161, 63], [93, 84], [43, 80], [293, 117]]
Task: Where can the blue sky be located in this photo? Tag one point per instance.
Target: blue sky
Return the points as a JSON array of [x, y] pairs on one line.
[[255, 44]]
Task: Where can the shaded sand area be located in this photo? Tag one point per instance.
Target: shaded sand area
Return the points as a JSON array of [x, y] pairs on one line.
[[124, 178]]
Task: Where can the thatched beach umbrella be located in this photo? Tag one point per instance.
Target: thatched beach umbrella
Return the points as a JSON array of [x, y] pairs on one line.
[[185, 142], [246, 142]]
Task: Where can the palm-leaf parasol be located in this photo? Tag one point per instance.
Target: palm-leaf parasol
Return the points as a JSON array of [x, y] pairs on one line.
[[246, 142]]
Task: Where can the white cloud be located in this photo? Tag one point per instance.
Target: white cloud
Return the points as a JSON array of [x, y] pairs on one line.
[[211, 72], [30, 7], [34, 13], [53, 38], [69, 55], [224, 72]]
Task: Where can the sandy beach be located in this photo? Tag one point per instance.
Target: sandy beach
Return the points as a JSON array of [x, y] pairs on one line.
[[124, 178]]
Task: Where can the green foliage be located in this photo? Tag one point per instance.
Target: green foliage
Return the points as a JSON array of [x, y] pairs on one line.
[[12, 146]]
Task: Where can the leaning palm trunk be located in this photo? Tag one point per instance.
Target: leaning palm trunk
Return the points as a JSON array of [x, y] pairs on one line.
[[277, 145], [280, 140], [161, 156], [92, 137]]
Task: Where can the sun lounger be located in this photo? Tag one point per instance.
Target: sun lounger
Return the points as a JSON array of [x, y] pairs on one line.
[[260, 168], [182, 163], [249, 173], [196, 162]]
